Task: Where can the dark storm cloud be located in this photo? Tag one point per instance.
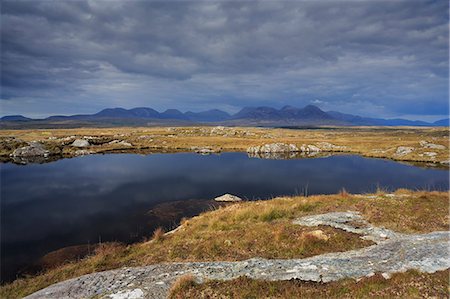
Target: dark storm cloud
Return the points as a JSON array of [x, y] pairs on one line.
[[369, 57]]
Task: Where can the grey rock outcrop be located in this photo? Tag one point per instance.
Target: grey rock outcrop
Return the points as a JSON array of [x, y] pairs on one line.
[[393, 253], [205, 150], [120, 143], [80, 143], [309, 148], [427, 144], [403, 150], [351, 222], [34, 149], [273, 148]]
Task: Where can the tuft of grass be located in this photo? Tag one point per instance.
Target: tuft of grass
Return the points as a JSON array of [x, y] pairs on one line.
[[158, 234], [344, 193], [182, 283]]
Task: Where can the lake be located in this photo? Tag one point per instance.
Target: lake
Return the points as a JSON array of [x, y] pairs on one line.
[[124, 197]]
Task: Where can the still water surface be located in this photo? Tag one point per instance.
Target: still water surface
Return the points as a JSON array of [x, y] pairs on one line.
[[107, 197]]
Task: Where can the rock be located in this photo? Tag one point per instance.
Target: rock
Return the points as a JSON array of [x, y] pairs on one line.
[[228, 198], [403, 150], [351, 222], [205, 150], [128, 294], [218, 130], [274, 156], [386, 275], [82, 152], [430, 154], [317, 234], [326, 146], [427, 144], [120, 142], [423, 252], [273, 148], [80, 143], [34, 149], [309, 148]]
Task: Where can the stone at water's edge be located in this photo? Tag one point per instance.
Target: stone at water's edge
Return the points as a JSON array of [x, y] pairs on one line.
[[273, 148], [34, 149], [228, 198]]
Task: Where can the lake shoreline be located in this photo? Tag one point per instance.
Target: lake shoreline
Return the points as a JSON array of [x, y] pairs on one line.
[[416, 145]]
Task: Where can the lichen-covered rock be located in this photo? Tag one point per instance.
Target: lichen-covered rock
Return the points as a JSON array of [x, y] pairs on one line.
[[80, 143], [273, 148]]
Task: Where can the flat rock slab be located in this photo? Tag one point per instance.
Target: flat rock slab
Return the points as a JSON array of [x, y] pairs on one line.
[[393, 253]]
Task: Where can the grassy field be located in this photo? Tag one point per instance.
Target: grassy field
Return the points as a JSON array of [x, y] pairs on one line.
[[380, 142], [248, 229]]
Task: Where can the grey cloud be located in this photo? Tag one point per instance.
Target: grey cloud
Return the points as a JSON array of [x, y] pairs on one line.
[[231, 54]]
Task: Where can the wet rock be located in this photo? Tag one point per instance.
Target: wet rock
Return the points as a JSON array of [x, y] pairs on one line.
[[404, 150], [273, 148], [80, 143], [228, 198]]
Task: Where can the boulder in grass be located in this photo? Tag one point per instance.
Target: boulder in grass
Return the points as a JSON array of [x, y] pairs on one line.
[[81, 143]]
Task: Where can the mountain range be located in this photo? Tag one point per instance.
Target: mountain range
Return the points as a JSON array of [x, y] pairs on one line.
[[249, 116]]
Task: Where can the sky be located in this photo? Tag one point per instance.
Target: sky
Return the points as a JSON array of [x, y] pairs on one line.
[[371, 58]]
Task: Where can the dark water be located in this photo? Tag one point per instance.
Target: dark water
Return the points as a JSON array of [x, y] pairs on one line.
[[78, 201]]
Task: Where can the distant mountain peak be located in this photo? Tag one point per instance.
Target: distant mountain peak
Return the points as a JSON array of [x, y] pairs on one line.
[[255, 116]]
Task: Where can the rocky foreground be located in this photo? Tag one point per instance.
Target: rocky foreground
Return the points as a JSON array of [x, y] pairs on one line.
[[393, 252]]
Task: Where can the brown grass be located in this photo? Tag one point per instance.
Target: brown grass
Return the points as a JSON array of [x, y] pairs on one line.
[[182, 283], [158, 234], [258, 229], [411, 284]]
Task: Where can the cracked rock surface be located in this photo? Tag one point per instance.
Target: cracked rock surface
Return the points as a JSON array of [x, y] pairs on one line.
[[394, 252]]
